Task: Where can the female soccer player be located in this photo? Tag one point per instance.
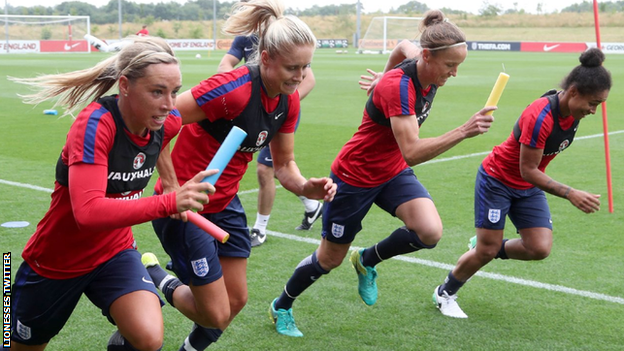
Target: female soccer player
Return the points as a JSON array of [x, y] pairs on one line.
[[511, 181], [374, 167], [84, 243], [244, 48], [261, 99]]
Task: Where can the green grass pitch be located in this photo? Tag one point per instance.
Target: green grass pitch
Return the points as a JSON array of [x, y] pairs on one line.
[[571, 301]]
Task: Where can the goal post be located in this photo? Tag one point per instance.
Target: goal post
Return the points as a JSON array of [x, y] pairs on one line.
[[385, 32], [36, 34]]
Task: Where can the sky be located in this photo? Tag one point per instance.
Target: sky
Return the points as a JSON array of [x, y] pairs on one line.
[[473, 6]]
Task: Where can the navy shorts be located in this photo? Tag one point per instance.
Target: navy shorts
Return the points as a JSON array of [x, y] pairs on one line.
[[495, 200], [342, 217], [194, 253], [42, 306], [264, 156]]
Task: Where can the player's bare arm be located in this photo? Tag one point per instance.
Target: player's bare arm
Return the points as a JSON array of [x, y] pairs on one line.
[[530, 159]]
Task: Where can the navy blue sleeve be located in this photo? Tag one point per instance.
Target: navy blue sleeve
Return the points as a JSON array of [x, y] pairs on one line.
[[238, 47]]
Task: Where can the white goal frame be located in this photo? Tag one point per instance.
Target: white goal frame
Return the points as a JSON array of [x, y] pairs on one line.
[[13, 38], [384, 44]]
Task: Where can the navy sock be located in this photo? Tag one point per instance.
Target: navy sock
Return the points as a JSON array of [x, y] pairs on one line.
[[370, 256], [451, 285], [164, 281], [400, 242], [169, 288], [502, 254], [306, 273], [200, 338], [157, 274]]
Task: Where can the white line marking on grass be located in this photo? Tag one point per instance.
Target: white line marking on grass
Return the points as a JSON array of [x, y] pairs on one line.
[[599, 135], [253, 191], [453, 158], [531, 283], [520, 281], [494, 276], [27, 186]]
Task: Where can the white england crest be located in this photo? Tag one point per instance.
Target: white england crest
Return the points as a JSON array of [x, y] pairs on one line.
[[23, 331], [494, 215], [337, 230], [200, 267]]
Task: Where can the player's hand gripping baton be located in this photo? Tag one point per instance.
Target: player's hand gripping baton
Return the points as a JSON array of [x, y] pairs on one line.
[[497, 91], [219, 161]]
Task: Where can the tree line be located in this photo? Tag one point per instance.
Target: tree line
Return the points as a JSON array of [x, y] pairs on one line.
[[199, 10]]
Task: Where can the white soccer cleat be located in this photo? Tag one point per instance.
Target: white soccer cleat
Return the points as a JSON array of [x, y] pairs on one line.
[[310, 217], [257, 238], [96, 43], [447, 305]]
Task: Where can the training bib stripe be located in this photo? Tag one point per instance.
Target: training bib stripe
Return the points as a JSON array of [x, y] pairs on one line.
[[404, 92], [538, 125], [175, 112], [88, 153], [223, 89]]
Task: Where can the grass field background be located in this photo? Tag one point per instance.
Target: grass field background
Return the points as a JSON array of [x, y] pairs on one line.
[[571, 301]]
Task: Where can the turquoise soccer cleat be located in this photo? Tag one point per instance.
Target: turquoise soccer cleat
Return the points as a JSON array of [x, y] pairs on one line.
[[367, 287], [284, 321]]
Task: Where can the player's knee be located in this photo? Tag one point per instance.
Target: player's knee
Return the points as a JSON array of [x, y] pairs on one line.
[[324, 262], [265, 174], [237, 303], [222, 323], [331, 264], [540, 252], [486, 253], [147, 341], [430, 235], [214, 318], [432, 238]]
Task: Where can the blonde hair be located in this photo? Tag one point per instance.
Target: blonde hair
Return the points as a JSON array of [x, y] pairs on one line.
[[77, 87], [277, 33]]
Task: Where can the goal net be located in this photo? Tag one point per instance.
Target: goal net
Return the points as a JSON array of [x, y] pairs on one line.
[[35, 34], [384, 33]]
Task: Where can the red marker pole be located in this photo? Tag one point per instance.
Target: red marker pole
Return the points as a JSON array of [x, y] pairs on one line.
[[605, 128]]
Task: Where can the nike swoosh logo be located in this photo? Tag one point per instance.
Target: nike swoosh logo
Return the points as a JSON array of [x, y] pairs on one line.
[[68, 47], [548, 48], [280, 115], [147, 281], [248, 49], [311, 220], [314, 218]]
